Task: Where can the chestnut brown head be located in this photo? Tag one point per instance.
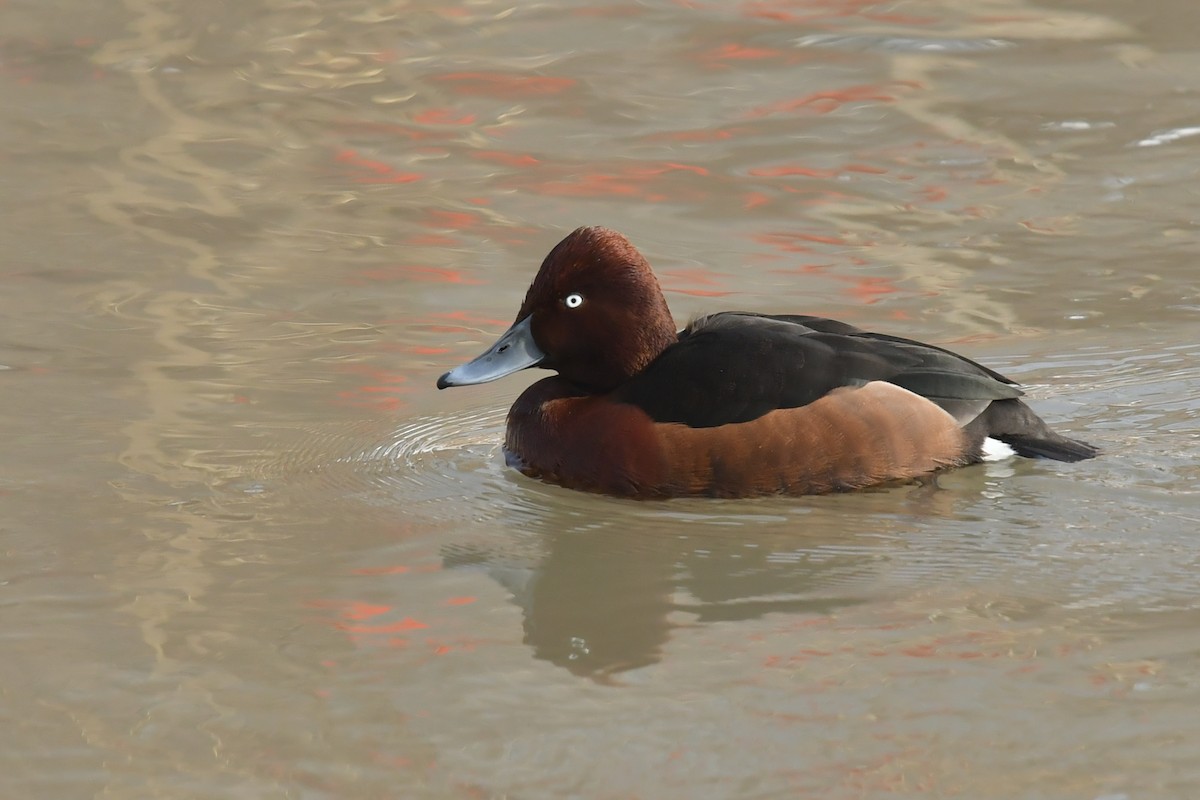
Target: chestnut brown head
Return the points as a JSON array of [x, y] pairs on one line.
[[594, 313]]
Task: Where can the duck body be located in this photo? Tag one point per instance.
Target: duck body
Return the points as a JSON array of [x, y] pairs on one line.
[[736, 404]]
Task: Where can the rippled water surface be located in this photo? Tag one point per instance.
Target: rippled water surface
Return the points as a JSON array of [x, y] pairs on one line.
[[250, 551]]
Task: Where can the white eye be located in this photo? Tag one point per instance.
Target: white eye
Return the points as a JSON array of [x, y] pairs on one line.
[[573, 300]]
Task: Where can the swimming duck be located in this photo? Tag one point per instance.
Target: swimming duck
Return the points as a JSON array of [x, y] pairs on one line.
[[736, 404]]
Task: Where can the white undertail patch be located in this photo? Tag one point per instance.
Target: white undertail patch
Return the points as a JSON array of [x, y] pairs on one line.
[[996, 450]]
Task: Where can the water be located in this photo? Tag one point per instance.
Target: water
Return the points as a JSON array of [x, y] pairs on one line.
[[250, 551]]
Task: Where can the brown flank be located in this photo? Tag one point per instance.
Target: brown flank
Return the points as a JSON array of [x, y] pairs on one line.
[[848, 439]]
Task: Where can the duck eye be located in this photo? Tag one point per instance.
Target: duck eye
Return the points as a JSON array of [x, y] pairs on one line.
[[573, 300]]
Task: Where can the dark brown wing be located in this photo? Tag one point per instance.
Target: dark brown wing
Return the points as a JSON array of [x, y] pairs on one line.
[[735, 367]]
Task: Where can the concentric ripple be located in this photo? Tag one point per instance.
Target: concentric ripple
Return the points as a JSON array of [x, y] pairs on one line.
[[416, 467]]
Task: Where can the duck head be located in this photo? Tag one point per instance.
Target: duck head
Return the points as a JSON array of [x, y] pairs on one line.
[[595, 314]]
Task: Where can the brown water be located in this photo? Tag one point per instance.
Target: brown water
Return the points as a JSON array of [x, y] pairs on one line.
[[249, 550]]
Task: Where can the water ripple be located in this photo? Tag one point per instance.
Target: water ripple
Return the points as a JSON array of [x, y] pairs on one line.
[[418, 466], [903, 44]]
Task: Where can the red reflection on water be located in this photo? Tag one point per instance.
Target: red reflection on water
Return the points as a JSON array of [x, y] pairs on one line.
[[804, 269], [455, 220], [399, 626], [740, 52], [366, 170], [397, 569], [900, 19], [867, 290], [494, 84], [826, 101], [791, 242], [671, 280], [369, 395], [351, 609], [752, 200], [790, 170], [508, 159], [443, 116], [649, 182], [414, 272], [933, 194], [813, 10]]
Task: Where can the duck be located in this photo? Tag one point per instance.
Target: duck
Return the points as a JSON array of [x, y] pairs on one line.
[[737, 404]]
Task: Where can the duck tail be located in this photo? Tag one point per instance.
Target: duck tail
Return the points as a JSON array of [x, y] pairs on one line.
[[1056, 447], [1015, 424]]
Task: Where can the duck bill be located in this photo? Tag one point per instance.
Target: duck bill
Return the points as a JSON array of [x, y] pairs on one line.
[[514, 351]]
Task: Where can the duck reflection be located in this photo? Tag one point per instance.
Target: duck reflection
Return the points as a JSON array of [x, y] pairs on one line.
[[601, 598]]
